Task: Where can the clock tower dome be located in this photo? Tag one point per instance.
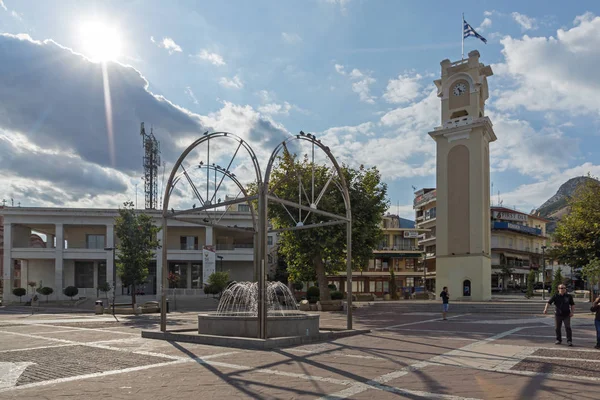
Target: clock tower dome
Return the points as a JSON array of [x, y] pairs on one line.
[[463, 262]]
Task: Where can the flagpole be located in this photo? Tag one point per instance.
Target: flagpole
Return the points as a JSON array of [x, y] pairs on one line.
[[462, 35]]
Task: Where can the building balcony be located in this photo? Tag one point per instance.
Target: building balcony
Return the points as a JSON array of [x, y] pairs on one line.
[[428, 240]]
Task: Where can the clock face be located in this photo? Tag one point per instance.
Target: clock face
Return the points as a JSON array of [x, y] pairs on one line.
[[459, 89]]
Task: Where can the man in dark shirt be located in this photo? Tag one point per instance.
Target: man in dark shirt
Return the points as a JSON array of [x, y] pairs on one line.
[[445, 296], [596, 308], [564, 307]]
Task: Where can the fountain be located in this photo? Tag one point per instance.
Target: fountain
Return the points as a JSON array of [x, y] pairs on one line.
[[237, 314]]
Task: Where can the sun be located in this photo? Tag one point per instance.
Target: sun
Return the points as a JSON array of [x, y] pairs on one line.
[[101, 42]]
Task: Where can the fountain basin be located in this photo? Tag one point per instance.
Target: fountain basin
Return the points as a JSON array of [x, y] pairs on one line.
[[246, 325]]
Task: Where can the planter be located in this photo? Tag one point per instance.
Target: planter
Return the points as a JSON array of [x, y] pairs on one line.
[[330, 305], [387, 297]]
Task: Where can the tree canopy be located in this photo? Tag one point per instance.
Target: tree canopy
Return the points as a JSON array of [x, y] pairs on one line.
[[314, 253], [137, 245], [578, 233]]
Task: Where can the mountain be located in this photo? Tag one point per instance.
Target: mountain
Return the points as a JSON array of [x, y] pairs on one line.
[[556, 206]]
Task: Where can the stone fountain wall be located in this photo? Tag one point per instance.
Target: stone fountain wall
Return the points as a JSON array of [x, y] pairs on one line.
[[247, 326]]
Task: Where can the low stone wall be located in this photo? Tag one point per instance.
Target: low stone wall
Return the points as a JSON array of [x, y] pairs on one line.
[[247, 326]]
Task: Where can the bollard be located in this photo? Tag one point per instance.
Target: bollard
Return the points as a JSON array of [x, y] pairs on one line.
[[99, 307]]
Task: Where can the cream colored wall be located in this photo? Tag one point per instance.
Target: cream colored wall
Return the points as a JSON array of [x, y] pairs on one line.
[[40, 270], [174, 236], [76, 235], [479, 211], [452, 271]]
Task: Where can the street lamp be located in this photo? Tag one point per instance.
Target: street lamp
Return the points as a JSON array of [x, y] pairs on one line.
[[114, 277], [543, 272]]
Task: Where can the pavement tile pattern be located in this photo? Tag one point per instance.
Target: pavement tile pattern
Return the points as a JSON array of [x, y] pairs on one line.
[[405, 356]]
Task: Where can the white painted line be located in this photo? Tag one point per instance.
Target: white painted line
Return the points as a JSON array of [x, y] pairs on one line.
[[181, 360], [442, 331], [317, 352], [379, 383], [563, 358], [11, 372], [418, 322], [36, 348], [79, 328], [94, 375]]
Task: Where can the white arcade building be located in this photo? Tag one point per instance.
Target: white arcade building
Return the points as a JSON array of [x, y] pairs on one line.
[[73, 251]]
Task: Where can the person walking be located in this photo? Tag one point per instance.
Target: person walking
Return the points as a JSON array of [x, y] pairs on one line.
[[445, 296], [564, 308], [596, 308]]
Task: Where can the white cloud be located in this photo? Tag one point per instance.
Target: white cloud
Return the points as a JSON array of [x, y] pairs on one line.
[[486, 23], [213, 58], [168, 44], [530, 196], [488, 13], [3, 6], [235, 83], [291, 38], [276, 109], [553, 73], [532, 153], [404, 89], [341, 3], [527, 23], [361, 83], [190, 93]]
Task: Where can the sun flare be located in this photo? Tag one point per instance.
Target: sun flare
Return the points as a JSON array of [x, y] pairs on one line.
[[101, 42]]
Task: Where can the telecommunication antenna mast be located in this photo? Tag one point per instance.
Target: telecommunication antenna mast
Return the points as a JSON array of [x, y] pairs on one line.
[[151, 164]]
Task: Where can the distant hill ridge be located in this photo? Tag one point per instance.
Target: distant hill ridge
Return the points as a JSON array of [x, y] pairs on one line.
[[556, 206]]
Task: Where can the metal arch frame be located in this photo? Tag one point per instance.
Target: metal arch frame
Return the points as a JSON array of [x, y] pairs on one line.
[[265, 196], [261, 233], [168, 190]]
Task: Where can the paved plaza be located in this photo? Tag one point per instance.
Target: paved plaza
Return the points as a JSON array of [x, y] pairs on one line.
[[406, 356]]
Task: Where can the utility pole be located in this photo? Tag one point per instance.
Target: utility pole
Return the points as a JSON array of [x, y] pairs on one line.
[[543, 273]]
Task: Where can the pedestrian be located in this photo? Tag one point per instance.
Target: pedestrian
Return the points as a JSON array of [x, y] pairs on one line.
[[564, 308], [596, 308], [445, 296]]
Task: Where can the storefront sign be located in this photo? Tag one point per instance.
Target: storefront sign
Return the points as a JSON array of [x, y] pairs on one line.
[[509, 216], [411, 234], [517, 227]]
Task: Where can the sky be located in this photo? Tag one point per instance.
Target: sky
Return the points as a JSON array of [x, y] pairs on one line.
[[78, 78]]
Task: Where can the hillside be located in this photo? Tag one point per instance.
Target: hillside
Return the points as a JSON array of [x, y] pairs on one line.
[[556, 206]]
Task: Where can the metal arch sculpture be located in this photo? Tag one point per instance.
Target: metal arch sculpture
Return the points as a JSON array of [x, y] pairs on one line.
[[267, 195], [172, 181], [261, 232]]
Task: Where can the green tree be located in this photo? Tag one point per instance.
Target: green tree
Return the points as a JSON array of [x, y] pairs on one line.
[[105, 288], [218, 281], [313, 253], [578, 233], [530, 282], [137, 245], [505, 272], [46, 291], [557, 280]]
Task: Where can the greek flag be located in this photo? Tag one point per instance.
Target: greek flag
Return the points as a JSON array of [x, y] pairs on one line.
[[469, 31]]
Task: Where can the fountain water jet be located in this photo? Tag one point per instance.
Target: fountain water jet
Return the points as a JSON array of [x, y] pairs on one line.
[[237, 314]]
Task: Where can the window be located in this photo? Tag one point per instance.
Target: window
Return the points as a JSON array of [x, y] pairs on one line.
[[95, 241], [101, 273], [270, 240], [410, 263], [410, 281], [243, 208], [196, 276], [189, 242], [84, 274], [181, 270]]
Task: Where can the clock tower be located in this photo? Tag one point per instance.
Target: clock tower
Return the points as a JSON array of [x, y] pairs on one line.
[[463, 262]]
